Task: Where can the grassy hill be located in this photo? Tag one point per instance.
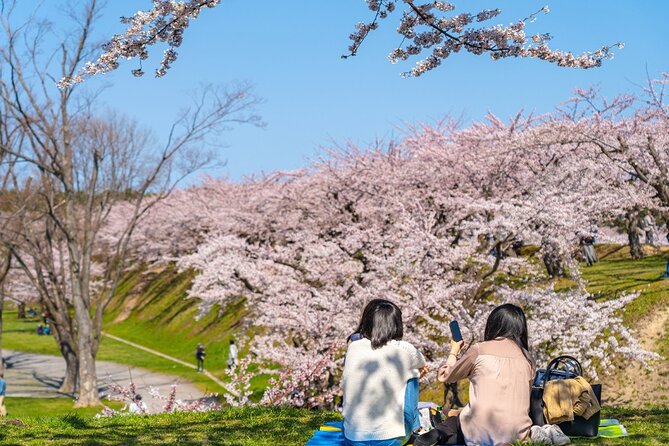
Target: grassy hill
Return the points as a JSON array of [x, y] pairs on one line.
[[151, 309]]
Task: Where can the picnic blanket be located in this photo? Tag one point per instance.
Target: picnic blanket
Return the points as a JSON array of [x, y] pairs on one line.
[[331, 434]]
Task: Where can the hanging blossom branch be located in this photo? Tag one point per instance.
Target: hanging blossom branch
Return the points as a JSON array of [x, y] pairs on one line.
[[165, 23], [423, 29]]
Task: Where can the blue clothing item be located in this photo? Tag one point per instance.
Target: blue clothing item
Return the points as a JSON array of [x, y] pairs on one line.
[[411, 420], [388, 442], [3, 387]]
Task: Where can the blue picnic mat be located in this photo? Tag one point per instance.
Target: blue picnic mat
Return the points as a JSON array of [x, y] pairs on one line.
[[331, 434]]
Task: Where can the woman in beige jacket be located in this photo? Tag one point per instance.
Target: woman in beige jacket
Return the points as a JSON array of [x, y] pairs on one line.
[[500, 372]]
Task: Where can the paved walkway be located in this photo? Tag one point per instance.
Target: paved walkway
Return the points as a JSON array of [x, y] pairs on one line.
[[39, 376], [163, 355]]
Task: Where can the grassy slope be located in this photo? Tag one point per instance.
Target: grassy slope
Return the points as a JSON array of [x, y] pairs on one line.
[[150, 309], [251, 427], [616, 273]]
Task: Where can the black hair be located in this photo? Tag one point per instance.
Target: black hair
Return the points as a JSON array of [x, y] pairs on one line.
[[232, 341], [138, 397], [381, 322], [508, 321]]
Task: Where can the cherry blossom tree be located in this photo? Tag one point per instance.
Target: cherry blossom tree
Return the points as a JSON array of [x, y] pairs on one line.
[[80, 162], [627, 136], [428, 29], [423, 222]]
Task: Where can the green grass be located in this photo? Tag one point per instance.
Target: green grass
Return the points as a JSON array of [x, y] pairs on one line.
[[250, 427], [161, 318], [645, 427], [46, 408]]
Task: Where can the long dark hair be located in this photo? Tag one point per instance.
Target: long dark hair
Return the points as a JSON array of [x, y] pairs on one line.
[[508, 321], [381, 322]]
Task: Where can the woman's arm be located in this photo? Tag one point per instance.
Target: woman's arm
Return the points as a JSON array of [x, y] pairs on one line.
[[456, 369]]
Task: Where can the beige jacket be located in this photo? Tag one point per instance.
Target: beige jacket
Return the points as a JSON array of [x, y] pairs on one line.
[[566, 398]]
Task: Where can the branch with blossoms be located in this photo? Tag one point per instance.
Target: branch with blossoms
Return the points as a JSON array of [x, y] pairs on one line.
[[420, 26], [165, 23], [238, 390], [306, 384], [167, 404], [424, 29]]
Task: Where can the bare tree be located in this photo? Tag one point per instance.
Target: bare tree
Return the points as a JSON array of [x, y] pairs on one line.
[[81, 164]]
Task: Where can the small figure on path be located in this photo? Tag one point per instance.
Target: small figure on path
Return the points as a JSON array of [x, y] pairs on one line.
[[137, 406], [587, 246], [233, 353], [199, 356], [3, 390]]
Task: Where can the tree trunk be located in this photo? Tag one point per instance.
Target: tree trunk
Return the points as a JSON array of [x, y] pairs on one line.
[[69, 385], [633, 236], [452, 397], [2, 305], [554, 265], [86, 352], [22, 310]]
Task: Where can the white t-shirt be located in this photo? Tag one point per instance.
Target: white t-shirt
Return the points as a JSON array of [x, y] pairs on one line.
[[374, 383], [232, 354], [137, 407]]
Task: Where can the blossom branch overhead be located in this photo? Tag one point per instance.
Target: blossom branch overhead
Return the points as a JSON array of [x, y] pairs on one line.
[[425, 28]]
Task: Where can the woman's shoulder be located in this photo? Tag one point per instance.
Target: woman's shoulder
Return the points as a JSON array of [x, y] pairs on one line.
[[502, 347], [402, 345]]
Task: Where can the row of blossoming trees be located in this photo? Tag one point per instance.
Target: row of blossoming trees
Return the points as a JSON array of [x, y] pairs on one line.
[[414, 222], [422, 222]]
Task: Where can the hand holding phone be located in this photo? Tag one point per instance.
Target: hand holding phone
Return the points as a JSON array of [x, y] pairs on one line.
[[456, 335]]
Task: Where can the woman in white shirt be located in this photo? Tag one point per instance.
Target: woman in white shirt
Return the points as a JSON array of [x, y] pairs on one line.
[[377, 371]]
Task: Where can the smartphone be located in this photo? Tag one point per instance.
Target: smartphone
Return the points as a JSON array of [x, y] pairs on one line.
[[455, 331]]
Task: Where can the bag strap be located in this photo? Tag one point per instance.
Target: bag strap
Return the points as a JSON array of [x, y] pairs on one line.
[[569, 362]]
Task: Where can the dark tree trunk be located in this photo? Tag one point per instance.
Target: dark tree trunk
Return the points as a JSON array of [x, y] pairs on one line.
[[66, 346], [69, 385], [554, 265], [22, 310], [634, 237], [452, 397]]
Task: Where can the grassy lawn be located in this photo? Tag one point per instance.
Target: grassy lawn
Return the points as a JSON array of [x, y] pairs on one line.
[[151, 309], [251, 427], [47, 408]]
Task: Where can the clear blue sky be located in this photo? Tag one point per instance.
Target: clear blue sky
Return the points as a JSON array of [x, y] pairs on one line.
[[290, 50]]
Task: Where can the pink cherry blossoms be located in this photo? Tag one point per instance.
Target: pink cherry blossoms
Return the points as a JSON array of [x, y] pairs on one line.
[[430, 29], [422, 222]]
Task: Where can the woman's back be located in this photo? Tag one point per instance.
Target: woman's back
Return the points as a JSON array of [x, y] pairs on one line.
[[374, 383], [499, 393]]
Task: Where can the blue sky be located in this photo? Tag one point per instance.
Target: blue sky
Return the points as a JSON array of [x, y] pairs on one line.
[[290, 51]]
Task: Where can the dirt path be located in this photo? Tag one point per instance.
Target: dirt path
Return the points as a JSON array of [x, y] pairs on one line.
[[636, 386], [39, 376]]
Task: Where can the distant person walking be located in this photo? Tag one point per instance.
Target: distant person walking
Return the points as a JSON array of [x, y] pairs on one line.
[[233, 354], [199, 356], [3, 390]]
